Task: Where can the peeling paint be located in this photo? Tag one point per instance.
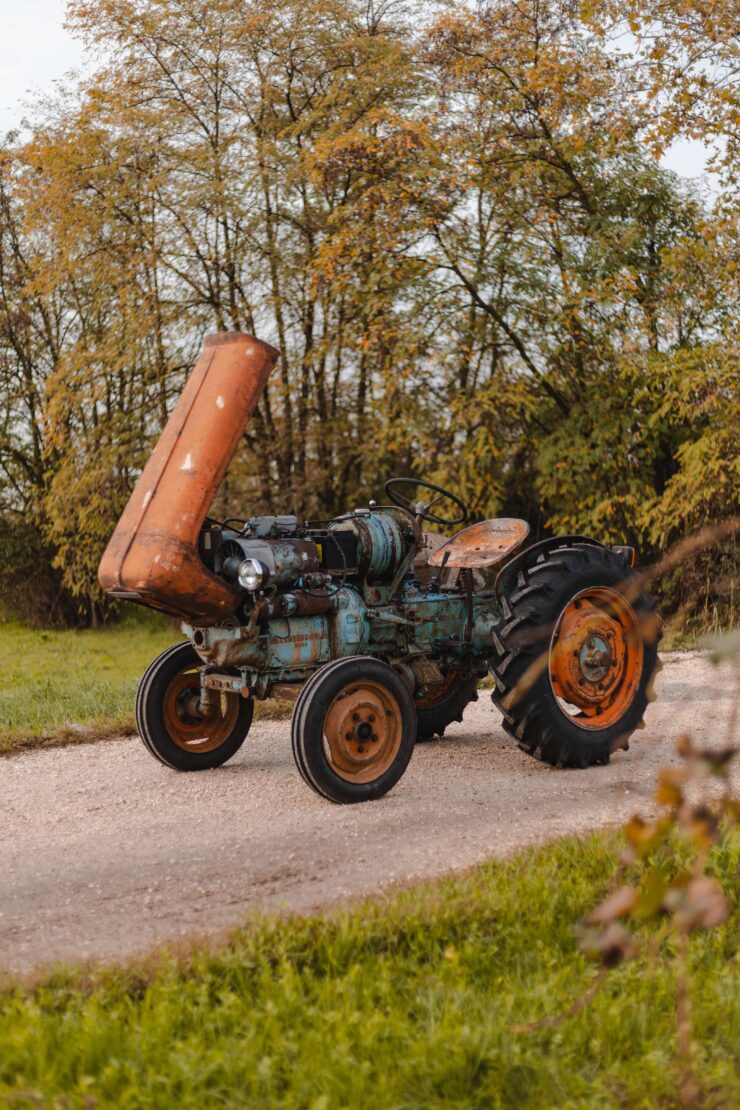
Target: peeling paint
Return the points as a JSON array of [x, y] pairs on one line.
[[481, 545], [183, 474]]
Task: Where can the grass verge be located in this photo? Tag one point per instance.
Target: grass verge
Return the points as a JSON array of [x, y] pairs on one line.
[[401, 1002], [76, 686]]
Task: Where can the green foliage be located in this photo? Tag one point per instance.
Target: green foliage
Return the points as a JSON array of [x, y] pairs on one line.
[[700, 399], [30, 586], [408, 1001]]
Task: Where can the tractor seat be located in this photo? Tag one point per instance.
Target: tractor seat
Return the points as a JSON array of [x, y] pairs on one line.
[[481, 545]]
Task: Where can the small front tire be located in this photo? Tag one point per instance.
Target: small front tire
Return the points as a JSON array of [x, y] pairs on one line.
[[171, 730], [353, 730]]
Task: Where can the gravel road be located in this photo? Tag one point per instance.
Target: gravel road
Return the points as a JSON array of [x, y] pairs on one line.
[[105, 853]]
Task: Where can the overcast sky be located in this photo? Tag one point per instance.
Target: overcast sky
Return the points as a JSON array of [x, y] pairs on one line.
[[35, 50]]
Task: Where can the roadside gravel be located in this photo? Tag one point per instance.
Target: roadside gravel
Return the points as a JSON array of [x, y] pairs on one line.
[[106, 854]]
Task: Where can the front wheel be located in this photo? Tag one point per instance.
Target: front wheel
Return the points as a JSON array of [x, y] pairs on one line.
[[170, 724], [576, 652], [353, 730]]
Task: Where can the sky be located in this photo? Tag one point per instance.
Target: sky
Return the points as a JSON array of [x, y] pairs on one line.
[[36, 50]]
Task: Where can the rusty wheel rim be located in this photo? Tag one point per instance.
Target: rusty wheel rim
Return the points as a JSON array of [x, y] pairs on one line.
[[363, 729], [187, 729], [596, 657], [435, 695]]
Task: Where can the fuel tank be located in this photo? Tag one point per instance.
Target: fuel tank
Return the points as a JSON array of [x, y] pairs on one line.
[[152, 557]]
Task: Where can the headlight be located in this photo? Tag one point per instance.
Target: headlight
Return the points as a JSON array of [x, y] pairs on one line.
[[252, 574]]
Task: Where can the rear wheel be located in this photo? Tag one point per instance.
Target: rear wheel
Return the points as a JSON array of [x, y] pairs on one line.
[[169, 722], [576, 652], [353, 729], [438, 706]]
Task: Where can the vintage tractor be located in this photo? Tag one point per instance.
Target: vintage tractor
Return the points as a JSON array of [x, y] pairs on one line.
[[383, 630]]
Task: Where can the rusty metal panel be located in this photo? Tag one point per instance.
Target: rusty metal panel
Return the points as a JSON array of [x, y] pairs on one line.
[[481, 545], [152, 556], [298, 642], [225, 683]]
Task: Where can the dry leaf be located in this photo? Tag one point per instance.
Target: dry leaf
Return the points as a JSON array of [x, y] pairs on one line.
[[616, 905]]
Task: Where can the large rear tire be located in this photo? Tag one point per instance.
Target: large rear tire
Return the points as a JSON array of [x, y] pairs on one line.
[[172, 731], [353, 730], [575, 655], [438, 706]]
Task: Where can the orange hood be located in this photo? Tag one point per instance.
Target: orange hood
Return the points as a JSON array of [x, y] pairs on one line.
[[152, 556]]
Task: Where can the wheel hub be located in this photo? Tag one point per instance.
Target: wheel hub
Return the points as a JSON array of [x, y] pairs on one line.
[[189, 728], [596, 657], [357, 724], [364, 733], [362, 729]]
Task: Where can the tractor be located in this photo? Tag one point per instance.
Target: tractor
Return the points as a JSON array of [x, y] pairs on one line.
[[378, 625]]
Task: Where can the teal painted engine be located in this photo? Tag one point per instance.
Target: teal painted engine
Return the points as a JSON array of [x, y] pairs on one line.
[[314, 593]]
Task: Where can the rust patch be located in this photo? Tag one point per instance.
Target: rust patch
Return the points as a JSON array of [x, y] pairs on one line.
[[287, 691], [596, 658], [186, 727], [481, 545], [363, 728], [152, 556], [294, 605]]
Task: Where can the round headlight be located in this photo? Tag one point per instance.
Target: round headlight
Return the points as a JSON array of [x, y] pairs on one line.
[[252, 574]]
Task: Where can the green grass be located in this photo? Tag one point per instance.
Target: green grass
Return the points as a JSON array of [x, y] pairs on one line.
[[404, 1002], [71, 687]]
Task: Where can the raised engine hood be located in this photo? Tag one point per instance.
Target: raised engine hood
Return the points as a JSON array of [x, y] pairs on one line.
[[152, 556]]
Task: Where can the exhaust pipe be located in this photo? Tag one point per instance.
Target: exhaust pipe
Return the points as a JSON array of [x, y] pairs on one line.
[[152, 557]]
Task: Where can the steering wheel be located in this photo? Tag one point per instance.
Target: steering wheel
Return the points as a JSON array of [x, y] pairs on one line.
[[419, 508]]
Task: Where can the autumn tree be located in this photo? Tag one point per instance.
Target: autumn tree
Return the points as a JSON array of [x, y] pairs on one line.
[[449, 220]]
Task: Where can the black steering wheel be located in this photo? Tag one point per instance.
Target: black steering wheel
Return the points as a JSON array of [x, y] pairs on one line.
[[420, 508]]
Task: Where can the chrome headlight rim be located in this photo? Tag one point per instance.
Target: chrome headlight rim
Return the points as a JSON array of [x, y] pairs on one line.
[[252, 575]]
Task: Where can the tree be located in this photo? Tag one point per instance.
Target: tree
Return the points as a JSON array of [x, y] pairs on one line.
[[451, 224]]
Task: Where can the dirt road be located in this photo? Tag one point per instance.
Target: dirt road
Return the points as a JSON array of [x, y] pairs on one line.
[[105, 853]]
